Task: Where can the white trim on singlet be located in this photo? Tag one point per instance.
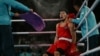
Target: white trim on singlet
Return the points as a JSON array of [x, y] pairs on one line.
[[67, 39]]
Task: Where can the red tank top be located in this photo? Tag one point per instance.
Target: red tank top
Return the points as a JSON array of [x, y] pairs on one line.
[[63, 32]]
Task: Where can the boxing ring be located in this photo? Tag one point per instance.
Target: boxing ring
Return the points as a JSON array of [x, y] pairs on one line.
[[53, 32], [86, 36]]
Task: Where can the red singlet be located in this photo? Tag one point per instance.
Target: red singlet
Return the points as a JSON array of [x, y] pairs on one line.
[[64, 32]]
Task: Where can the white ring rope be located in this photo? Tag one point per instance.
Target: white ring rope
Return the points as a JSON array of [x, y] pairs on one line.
[[81, 8], [87, 27], [91, 51], [92, 7], [32, 45], [84, 37], [42, 32], [97, 26], [22, 20], [48, 32], [79, 44]]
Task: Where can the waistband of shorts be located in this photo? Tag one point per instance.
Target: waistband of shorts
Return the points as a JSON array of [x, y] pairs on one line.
[[66, 39]]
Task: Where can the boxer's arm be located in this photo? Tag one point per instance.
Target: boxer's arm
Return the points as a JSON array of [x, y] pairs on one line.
[[72, 31], [56, 36], [16, 5], [73, 47]]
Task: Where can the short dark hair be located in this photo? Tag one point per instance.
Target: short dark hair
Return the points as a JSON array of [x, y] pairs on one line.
[[63, 9], [77, 3]]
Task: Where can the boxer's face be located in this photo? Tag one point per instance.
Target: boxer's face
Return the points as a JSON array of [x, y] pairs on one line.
[[63, 15]]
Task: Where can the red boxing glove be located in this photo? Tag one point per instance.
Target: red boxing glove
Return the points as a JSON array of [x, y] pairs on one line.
[[51, 49], [73, 50], [71, 15]]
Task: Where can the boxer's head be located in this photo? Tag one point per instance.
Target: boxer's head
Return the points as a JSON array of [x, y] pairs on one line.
[[63, 14]]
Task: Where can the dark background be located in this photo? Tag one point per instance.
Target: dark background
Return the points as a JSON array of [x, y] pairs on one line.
[[47, 9]]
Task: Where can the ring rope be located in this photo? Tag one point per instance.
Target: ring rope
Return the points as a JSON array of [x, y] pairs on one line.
[[42, 32], [22, 20], [92, 7], [81, 8], [84, 37], [91, 51], [79, 44]]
